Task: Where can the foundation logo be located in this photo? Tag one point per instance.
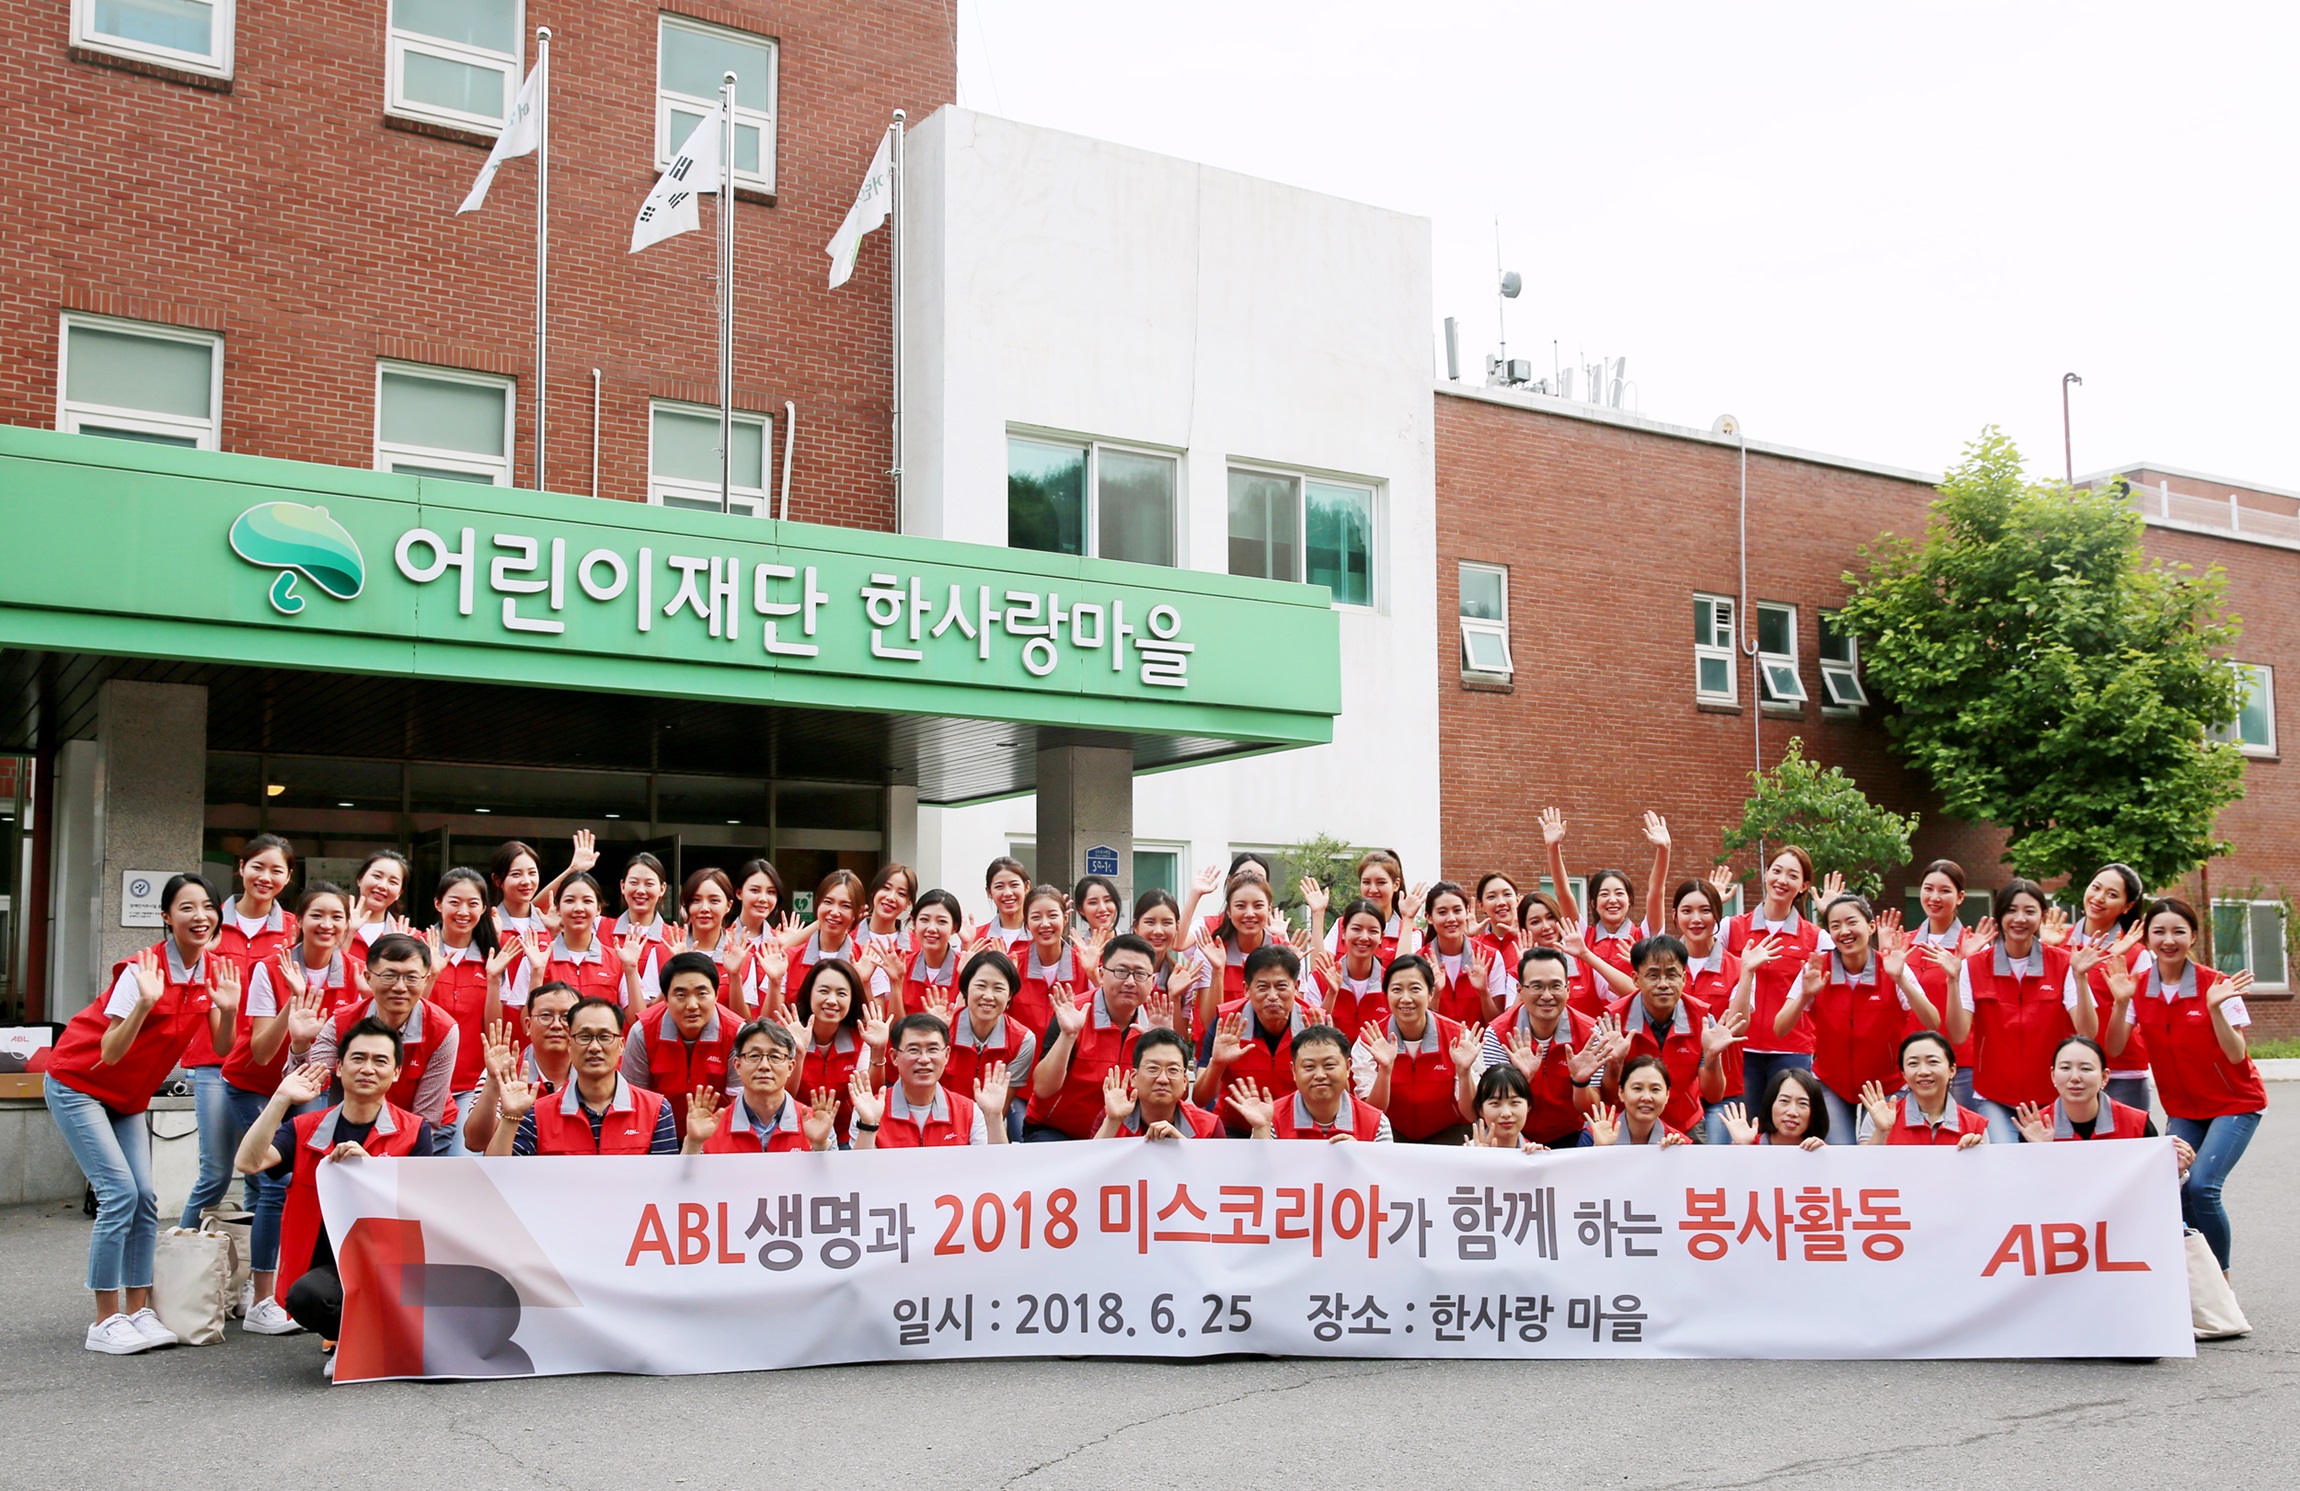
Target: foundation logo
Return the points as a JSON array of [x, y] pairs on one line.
[[299, 540]]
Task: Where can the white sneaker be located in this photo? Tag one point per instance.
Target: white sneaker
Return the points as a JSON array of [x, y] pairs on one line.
[[327, 1368], [266, 1318], [246, 1301], [116, 1335], [147, 1324]]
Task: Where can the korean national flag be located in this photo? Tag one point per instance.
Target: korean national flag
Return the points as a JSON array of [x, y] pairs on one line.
[[670, 208]]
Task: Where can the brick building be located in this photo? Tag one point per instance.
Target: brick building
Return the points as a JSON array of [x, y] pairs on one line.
[[1593, 559]]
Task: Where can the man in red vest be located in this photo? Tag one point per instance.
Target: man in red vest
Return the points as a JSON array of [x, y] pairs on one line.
[[366, 1123], [597, 1113], [916, 1111]]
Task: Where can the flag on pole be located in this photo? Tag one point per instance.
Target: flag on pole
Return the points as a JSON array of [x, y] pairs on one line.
[[870, 209], [520, 136], [670, 208]]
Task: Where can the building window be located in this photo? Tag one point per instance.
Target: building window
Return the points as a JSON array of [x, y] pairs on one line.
[[1777, 655], [691, 57], [1290, 527], [1715, 678], [1025, 853], [1090, 499], [1485, 620], [2254, 728], [194, 35], [454, 61], [1158, 869], [683, 460], [1840, 666], [435, 422], [2250, 934], [134, 381], [1976, 906]]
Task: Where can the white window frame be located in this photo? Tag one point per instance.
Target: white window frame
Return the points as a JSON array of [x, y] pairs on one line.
[[398, 43], [71, 414], [2251, 959], [1779, 668], [1841, 691], [1475, 626], [1091, 520], [1713, 651], [764, 178], [2263, 678], [496, 469], [754, 501], [1301, 478], [215, 64], [1181, 853]]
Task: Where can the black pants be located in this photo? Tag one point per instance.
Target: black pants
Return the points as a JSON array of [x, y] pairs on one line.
[[315, 1302]]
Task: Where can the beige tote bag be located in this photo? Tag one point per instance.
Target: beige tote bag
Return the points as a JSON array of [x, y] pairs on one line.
[[2211, 1303], [192, 1284]]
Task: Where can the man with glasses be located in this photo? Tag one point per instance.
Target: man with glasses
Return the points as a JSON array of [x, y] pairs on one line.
[[599, 1112], [546, 1065], [1153, 1101], [1086, 1041], [398, 971], [763, 1118], [916, 1111]]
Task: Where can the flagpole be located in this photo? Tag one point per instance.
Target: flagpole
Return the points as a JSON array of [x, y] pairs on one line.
[[726, 292], [542, 240], [894, 244]]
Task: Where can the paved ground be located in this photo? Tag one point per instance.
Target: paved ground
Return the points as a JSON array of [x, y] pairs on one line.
[[252, 1413]]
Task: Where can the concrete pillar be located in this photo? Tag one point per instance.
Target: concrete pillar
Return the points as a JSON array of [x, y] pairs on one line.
[[1085, 803], [898, 828], [151, 794], [75, 868]]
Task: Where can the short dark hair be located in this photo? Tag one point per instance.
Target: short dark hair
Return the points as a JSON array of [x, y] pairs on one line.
[[594, 1002], [1127, 942], [1156, 1036], [918, 1020], [1660, 944], [371, 1026], [859, 991], [1322, 1035], [690, 961], [1273, 955], [1544, 954], [392, 947], [997, 962], [2085, 1041], [1816, 1122], [556, 986], [1410, 963], [946, 901], [778, 1035], [1501, 1081], [1918, 1037], [1639, 1063]]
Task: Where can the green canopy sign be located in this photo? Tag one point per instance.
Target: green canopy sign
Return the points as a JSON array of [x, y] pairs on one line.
[[150, 551]]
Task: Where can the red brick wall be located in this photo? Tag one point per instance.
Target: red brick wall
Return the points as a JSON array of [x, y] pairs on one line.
[[286, 213], [1607, 532]]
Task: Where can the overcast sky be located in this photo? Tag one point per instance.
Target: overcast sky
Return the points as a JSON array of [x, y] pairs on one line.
[[1867, 230]]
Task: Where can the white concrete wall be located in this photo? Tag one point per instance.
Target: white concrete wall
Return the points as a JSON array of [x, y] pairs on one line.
[[1065, 284]]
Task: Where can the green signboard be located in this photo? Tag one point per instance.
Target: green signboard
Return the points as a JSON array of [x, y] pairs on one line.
[[143, 550]]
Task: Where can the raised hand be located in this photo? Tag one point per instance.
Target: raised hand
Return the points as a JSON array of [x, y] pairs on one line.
[[1817, 969], [1477, 970], [1604, 1124], [1410, 901], [702, 1110], [1656, 830], [801, 1031], [306, 1014], [1572, 941], [2085, 957], [1158, 1009], [1208, 880], [1879, 1103], [774, 965], [305, 1083], [1069, 1014], [1251, 1101], [1721, 881], [515, 1097], [1118, 1093], [1552, 826], [2054, 932], [1326, 967], [1892, 944], [1738, 1128], [223, 984], [150, 984], [2033, 1125], [1376, 1048], [1230, 1039], [1720, 1033], [508, 951], [1314, 897], [2123, 982], [869, 1106], [495, 1049], [2229, 988], [537, 950], [586, 851], [875, 1028], [1523, 1054], [1466, 1046], [631, 952], [734, 943], [1977, 939], [1832, 886], [934, 999], [992, 1091], [821, 1118], [1764, 950], [674, 941]]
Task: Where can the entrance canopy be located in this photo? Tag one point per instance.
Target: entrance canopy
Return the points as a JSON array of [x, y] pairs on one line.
[[325, 606]]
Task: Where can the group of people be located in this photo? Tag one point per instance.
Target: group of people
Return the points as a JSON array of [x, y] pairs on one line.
[[526, 1021]]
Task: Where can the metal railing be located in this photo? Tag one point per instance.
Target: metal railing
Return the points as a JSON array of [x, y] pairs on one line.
[[2221, 514]]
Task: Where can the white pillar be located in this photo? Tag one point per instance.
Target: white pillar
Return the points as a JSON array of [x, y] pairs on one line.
[[898, 827], [1086, 804]]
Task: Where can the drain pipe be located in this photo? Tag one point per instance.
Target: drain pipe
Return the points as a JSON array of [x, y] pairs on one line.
[[790, 438]]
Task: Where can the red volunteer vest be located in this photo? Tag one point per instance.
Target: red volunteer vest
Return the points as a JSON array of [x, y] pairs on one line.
[[1714, 988], [2135, 1057], [1680, 1052], [954, 1130], [1352, 1010], [1032, 1004], [241, 1069], [126, 1086], [828, 1066], [1774, 981], [591, 978], [1905, 1132], [243, 952], [1421, 1084], [1258, 1063], [676, 1067], [1458, 999], [300, 1221], [631, 1131], [1554, 1113], [1857, 1030], [1076, 1107], [918, 978], [1941, 989], [1191, 1120], [2194, 1077], [415, 1054], [2122, 1122], [1365, 1121], [612, 935], [734, 1134], [461, 990], [2020, 1021], [969, 1062]]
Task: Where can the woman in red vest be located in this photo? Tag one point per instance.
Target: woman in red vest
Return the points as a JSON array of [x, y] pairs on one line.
[[111, 1058], [2021, 997], [1349, 986], [1926, 1112], [470, 961], [1424, 1066], [250, 928], [1047, 958], [1789, 938], [1794, 1114], [982, 1034], [764, 1117], [380, 886], [289, 1147], [1504, 1100], [581, 957], [1467, 992], [1497, 923], [838, 1030], [1935, 958], [2082, 1109], [1859, 994], [1644, 1086], [2194, 1020]]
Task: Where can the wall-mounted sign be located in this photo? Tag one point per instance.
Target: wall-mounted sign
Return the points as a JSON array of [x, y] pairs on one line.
[[140, 897], [1102, 860]]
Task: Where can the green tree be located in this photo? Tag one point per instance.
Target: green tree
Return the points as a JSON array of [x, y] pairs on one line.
[[2049, 678], [1802, 802], [1325, 859]]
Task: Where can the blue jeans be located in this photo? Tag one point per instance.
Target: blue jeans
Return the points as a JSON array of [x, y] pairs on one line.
[[1041, 1134], [1844, 1118], [270, 1195], [115, 1153], [450, 1137], [220, 1135], [1961, 1088], [1712, 1125], [1758, 1067], [2219, 1144], [2004, 1127]]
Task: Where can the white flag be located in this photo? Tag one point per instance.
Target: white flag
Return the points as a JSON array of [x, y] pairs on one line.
[[670, 208], [870, 209], [520, 136]]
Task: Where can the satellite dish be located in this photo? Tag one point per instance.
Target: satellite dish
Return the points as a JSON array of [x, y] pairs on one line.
[[1511, 284], [1725, 424]]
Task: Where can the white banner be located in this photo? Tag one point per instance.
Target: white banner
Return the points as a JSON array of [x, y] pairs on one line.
[[512, 1267]]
